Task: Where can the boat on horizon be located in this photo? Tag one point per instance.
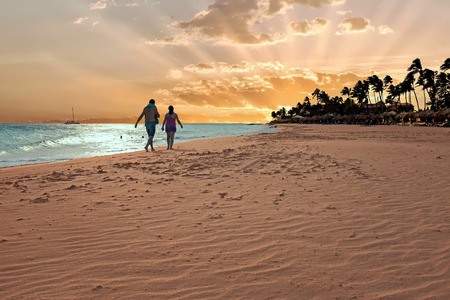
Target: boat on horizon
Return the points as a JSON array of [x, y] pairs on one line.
[[73, 119]]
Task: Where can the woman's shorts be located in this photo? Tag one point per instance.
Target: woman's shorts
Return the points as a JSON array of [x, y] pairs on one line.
[[171, 128]]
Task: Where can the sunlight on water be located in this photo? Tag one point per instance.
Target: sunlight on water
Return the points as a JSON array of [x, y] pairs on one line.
[[37, 143]]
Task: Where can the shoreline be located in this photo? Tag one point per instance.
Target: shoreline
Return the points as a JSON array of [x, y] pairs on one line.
[[162, 148], [66, 143], [308, 212]]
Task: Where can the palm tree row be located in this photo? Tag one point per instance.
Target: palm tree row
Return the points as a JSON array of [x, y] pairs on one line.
[[435, 87]]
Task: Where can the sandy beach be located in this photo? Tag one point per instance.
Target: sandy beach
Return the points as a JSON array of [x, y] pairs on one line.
[[310, 212]]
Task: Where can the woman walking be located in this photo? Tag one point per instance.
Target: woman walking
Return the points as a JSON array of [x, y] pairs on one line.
[[171, 126]]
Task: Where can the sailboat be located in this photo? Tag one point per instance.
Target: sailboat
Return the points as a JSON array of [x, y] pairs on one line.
[[73, 119]]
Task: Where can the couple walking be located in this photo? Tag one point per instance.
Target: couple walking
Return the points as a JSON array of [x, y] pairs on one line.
[[151, 119]]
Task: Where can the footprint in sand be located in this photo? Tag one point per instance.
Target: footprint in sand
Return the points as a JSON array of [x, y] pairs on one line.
[[39, 200], [73, 187]]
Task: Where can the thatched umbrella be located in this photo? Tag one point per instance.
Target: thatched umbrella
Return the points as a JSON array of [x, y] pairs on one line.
[[410, 115], [426, 115], [400, 116], [391, 113], [337, 118], [298, 119], [443, 114], [447, 111]]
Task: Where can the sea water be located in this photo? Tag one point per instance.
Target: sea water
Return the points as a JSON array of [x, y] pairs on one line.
[[22, 144]]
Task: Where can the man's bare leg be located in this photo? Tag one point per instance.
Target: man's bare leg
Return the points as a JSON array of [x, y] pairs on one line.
[[151, 143]]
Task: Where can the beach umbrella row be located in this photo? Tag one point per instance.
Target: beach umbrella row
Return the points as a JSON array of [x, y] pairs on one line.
[[425, 115]]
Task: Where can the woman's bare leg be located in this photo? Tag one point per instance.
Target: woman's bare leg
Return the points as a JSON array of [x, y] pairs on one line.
[[168, 140], [172, 135]]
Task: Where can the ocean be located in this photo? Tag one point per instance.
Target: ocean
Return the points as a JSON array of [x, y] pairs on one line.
[[23, 144]]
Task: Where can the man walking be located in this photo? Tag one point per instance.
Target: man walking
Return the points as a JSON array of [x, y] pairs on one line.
[[151, 119]]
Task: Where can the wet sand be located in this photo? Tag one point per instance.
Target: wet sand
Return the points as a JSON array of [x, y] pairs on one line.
[[311, 212]]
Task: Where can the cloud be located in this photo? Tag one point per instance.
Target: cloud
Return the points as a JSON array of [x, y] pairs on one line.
[[228, 20], [354, 25], [175, 74], [224, 22], [306, 28], [103, 4], [276, 6], [80, 20], [83, 20], [259, 84], [384, 29], [98, 5], [201, 68], [221, 69], [133, 4], [235, 22], [344, 12], [235, 68]]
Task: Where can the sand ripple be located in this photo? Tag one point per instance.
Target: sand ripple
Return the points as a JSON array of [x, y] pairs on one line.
[[312, 212]]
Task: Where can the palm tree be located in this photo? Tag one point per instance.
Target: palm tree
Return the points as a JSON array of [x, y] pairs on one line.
[[290, 112], [409, 86], [298, 108], [443, 90], [371, 80], [307, 102], [366, 88], [377, 86], [359, 92], [346, 92], [416, 66], [322, 98], [393, 92], [446, 66], [421, 82], [387, 80], [404, 89], [396, 91], [274, 115], [426, 80], [316, 94], [387, 83], [283, 113]]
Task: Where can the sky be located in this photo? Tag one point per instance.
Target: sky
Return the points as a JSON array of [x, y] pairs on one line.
[[213, 60]]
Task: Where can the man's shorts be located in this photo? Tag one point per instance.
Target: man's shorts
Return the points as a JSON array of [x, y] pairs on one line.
[[151, 128]]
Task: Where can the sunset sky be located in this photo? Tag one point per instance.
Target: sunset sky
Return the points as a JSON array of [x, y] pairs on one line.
[[214, 60]]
